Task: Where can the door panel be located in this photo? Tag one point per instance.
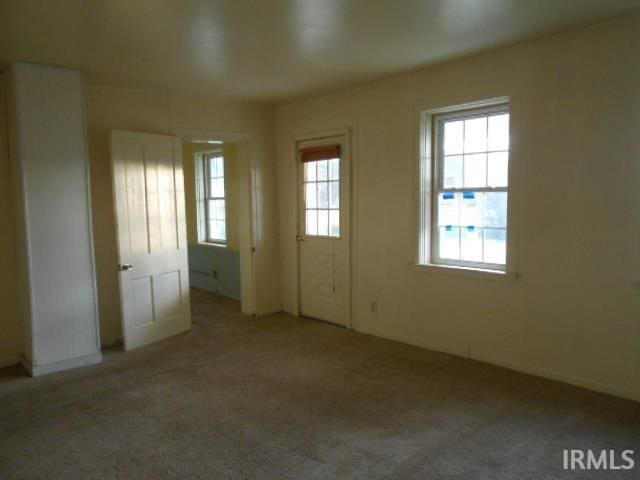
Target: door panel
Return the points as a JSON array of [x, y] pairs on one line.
[[323, 242], [149, 201]]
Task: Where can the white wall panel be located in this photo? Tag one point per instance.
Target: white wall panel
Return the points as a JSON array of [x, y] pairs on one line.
[[49, 167]]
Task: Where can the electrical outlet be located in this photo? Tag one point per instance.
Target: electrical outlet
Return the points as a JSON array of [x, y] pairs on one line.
[[373, 307]]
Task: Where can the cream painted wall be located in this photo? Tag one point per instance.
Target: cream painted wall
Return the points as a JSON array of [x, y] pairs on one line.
[[189, 150], [153, 111], [10, 334], [574, 313]]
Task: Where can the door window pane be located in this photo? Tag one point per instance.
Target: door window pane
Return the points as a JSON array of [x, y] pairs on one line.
[[323, 168], [334, 223], [323, 195], [334, 195], [310, 171], [323, 222], [310, 195], [312, 222], [334, 169]]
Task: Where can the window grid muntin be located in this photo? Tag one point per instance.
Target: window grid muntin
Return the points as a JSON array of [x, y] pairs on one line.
[[208, 177], [331, 179], [438, 184]]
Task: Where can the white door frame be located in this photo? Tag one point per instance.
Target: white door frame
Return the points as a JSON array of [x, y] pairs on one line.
[[347, 133], [248, 287]]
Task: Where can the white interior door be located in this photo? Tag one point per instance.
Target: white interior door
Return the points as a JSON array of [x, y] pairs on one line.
[[152, 242], [323, 239]]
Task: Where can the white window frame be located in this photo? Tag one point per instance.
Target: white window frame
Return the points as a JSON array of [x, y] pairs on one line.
[[203, 165], [430, 186]]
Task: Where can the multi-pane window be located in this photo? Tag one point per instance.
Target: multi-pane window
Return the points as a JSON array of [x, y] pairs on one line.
[[322, 197], [215, 205], [471, 188]]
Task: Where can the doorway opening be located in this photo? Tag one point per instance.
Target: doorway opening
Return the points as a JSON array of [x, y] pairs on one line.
[[219, 205]]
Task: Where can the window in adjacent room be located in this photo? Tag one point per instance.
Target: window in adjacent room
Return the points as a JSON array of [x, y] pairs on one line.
[[470, 188], [214, 203]]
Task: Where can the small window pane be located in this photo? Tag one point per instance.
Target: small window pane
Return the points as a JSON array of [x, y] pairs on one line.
[[310, 195], [334, 169], [449, 242], [221, 233], [334, 223], [312, 222], [499, 132], [475, 170], [334, 195], [322, 169], [453, 137], [216, 209], [471, 209], [495, 212], [475, 135], [323, 195], [217, 167], [448, 209], [217, 230], [216, 187], [498, 169], [310, 171], [471, 244], [453, 171], [495, 245], [323, 222]]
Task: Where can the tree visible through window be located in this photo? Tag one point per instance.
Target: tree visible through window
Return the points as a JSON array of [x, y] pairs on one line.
[[471, 188], [215, 205]]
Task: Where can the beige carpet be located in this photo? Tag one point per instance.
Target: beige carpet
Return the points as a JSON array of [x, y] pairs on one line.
[[280, 397]]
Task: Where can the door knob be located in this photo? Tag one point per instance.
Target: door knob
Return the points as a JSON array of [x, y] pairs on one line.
[[124, 266], [300, 238]]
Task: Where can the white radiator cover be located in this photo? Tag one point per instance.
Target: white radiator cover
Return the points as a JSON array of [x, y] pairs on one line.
[[51, 201]]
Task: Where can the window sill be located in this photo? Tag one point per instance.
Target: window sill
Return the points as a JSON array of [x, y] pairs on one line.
[[456, 271], [212, 244]]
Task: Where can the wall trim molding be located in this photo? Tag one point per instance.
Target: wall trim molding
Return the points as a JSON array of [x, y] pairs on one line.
[[38, 370]]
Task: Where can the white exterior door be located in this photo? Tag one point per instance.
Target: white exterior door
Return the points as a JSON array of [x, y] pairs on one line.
[[323, 239], [152, 244]]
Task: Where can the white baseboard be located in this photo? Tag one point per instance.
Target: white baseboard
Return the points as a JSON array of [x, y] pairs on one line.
[[45, 369], [587, 383]]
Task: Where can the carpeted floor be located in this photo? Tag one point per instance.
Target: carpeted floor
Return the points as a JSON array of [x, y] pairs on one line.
[[280, 397]]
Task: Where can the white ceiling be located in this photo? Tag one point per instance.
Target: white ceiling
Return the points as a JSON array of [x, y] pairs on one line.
[[272, 50]]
